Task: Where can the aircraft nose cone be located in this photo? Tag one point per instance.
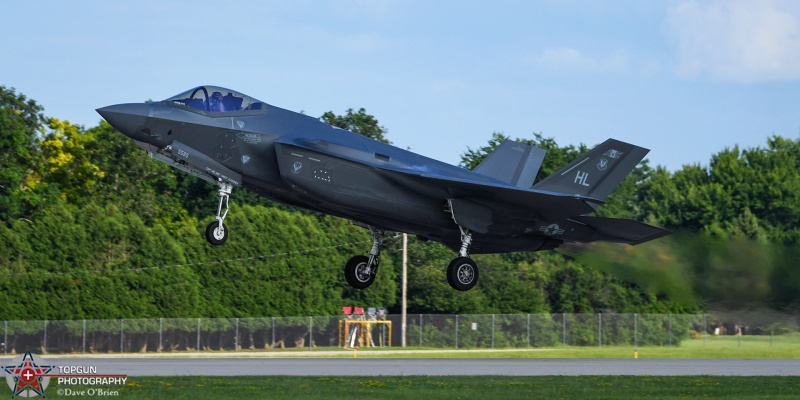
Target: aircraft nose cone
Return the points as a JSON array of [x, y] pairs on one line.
[[126, 118]]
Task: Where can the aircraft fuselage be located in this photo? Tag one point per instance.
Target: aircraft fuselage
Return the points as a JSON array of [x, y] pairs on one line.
[[234, 140]]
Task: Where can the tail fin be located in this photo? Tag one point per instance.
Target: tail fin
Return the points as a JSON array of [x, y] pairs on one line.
[[514, 163], [596, 173]]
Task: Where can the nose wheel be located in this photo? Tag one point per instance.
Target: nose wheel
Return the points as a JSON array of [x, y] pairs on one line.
[[216, 232]]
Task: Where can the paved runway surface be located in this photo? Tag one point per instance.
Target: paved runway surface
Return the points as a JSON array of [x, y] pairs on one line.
[[405, 367]]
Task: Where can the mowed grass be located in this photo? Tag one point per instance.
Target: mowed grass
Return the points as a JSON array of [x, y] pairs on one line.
[[723, 347], [491, 387]]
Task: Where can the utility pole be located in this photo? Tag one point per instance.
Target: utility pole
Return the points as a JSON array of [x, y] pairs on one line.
[[405, 286]]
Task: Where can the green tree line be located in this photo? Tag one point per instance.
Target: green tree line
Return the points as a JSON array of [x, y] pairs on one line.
[[92, 228]]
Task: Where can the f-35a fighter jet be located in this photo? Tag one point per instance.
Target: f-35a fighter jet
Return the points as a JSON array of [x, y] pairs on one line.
[[234, 140]]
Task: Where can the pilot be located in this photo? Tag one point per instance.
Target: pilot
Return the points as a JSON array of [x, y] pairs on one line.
[[215, 102]]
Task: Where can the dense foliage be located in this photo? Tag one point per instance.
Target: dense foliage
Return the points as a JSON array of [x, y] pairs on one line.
[[92, 228]]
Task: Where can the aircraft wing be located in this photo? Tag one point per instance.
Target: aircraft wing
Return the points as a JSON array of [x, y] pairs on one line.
[[490, 208], [479, 206], [511, 195], [496, 207]]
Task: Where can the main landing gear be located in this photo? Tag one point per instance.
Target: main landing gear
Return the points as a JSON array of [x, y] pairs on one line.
[[216, 234], [462, 272], [360, 270]]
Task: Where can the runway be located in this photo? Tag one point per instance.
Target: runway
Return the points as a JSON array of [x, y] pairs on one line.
[[431, 367]]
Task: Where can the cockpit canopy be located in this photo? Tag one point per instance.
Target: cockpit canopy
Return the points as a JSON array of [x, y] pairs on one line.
[[216, 99]]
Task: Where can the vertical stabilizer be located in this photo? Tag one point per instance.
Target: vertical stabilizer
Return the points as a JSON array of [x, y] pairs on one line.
[[596, 173], [514, 163]]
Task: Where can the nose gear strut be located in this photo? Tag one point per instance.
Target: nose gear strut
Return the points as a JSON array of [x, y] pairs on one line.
[[216, 233]]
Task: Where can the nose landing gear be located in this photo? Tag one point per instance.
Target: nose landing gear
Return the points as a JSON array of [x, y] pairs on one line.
[[216, 233]]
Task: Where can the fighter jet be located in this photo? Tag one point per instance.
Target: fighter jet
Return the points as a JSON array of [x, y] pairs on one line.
[[234, 140]]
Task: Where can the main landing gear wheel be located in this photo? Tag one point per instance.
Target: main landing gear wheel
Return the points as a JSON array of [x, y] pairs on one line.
[[359, 273], [216, 234], [462, 274]]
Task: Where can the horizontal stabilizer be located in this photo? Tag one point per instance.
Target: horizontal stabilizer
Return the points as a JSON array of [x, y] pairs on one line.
[[596, 173], [513, 162], [621, 230]]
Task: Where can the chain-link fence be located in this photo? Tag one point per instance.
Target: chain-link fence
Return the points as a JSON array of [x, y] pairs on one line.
[[486, 331]]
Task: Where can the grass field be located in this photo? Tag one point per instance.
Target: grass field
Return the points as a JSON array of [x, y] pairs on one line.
[[711, 347], [725, 347], [605, 352], [417, 388]]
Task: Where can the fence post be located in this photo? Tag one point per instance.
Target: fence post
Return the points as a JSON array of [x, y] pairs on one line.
[[492, 330], [160, 332], [273, 334], [529, 330], [5, 338], [564, 328], [198, 335], [600, 330], [456, 331], [384, 342], [121, 334], [420, 330], [236, 339], [44, 343], [311, 333], [84, 336]]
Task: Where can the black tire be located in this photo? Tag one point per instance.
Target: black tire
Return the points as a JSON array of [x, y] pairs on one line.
[[216, 235], [357, 272], [462, 274]]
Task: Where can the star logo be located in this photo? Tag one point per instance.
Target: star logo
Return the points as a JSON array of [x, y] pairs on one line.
[[27, 377], [552, 229]]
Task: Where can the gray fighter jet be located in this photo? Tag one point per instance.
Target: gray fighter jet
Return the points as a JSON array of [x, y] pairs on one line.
[[234, 140]]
